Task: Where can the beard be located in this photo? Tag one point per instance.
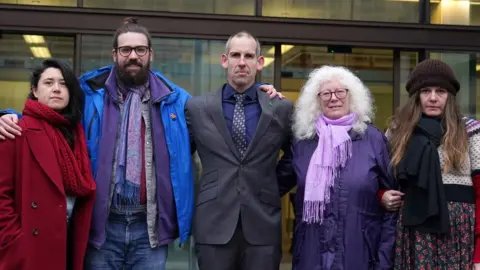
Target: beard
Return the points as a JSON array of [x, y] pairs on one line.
[[132, 78]]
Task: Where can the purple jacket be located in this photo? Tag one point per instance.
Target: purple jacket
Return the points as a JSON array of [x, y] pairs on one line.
[[357, 232]]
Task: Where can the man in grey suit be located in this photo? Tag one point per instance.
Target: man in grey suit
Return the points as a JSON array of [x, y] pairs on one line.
[[239, 132]]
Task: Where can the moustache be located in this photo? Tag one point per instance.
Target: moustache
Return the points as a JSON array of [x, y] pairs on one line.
[[133, 63]]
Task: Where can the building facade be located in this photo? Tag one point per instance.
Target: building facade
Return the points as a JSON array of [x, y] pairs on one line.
[[381, 40]]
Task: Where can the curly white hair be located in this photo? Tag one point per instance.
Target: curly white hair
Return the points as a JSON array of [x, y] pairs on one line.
[[308, 108]]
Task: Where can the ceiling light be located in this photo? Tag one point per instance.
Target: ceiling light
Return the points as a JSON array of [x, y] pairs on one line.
[[34, 39], [40, 52]]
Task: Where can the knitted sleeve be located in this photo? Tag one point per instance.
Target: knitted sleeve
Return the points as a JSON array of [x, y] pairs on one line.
[[473, 128]]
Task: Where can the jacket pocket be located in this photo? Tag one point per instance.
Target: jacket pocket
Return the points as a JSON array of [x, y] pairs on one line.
[[270, 198], [207, 195], [208, 179]]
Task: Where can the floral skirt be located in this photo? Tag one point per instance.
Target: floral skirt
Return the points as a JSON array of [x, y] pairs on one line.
[[417, 250]]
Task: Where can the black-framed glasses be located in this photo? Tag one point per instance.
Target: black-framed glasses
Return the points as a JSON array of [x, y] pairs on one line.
[[127, 50], [326, 95]]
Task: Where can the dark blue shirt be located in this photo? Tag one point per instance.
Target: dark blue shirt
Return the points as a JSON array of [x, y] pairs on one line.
[[251, 105]]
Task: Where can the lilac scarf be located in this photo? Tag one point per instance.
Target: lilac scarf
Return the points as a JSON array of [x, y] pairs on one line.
[[129, 153], [333, 150]]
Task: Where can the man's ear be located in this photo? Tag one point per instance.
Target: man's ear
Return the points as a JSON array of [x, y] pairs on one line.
[[260, 63], [224, 61]]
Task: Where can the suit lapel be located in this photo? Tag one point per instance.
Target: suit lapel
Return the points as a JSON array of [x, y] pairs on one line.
[[215, 103], [267, 113], [44, 153]]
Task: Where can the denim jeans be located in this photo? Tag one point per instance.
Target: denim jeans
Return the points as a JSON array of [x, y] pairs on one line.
[[126, 246]]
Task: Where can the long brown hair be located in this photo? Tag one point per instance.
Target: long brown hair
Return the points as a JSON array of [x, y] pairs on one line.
[[454, 141]]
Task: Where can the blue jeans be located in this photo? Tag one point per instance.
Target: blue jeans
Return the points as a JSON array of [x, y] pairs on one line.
[[127, 246]]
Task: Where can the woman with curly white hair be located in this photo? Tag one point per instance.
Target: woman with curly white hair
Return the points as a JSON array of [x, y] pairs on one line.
[[340, 161]]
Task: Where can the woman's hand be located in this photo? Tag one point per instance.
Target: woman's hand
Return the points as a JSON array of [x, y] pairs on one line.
[[392, 200], [271, 91], [476, 266]]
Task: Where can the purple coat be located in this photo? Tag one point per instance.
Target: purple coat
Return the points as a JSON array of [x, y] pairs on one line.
[[357, 233]]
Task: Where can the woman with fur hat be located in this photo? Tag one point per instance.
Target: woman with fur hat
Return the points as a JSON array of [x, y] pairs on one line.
[[436, 158], [340, 161]]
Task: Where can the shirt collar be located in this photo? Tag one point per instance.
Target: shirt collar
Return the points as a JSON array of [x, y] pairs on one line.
[[229, 91]]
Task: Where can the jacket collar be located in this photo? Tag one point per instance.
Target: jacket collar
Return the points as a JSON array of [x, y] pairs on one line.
[[229, 91]]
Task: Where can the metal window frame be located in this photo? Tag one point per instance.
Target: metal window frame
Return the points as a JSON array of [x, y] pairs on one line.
[[64, 20], [424, 11], [421, 37]]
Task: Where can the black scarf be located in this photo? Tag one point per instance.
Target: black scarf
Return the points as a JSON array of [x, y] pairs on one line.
[[420, 175]]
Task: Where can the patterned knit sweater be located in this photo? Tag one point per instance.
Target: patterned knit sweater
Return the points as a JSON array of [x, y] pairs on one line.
[[471, 164], [473, 168]]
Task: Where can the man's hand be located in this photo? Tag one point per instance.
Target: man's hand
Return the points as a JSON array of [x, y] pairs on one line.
[[271, 91], [392, 200], [9, 127], [476, 266]]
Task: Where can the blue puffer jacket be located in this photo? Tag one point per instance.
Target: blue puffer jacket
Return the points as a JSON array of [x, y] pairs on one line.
[[176, 137]]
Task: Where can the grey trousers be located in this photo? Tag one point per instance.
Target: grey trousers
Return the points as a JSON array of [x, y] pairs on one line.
[[238, 254]]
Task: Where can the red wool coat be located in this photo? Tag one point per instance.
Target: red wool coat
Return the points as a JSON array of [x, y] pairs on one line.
[[33, 219]]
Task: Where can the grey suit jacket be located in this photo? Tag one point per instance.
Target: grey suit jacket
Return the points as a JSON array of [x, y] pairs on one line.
[[231, 186]]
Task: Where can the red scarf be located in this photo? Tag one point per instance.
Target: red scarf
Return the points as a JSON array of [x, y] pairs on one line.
[[75, 165]]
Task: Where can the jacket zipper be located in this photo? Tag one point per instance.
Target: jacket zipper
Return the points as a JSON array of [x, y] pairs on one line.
[[90, 125]]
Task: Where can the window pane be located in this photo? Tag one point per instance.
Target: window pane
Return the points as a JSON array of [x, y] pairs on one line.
[[464, 65], [189, 63], [267, 74], [19, 55], [408, 61], [363, 10], [460, 12], [62, 3], [244, 7]]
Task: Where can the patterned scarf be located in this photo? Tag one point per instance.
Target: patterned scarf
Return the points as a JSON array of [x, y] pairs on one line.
[[129, 153], [75, 165], [333, 150]]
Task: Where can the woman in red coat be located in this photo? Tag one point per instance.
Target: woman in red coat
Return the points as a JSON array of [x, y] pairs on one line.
[[46, 184]]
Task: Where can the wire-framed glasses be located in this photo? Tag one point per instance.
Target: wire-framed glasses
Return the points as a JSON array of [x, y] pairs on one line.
[[326, 95]]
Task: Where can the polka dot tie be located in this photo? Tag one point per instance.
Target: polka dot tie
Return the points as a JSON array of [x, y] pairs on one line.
[[239, 131]]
